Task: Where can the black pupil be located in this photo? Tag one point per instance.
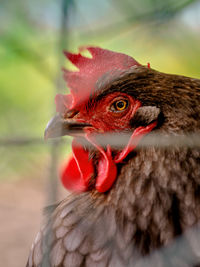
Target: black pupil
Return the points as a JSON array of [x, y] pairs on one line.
[[120, 104]]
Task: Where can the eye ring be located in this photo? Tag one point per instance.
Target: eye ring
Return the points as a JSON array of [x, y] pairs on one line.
[[120, 105]]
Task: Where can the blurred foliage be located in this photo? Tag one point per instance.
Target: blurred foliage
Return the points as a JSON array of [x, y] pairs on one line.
[[34, 33]]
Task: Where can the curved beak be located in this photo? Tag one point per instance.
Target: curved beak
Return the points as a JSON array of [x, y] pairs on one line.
[[58, 127]]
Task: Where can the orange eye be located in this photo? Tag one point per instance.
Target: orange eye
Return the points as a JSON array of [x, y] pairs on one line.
[[120, 105]]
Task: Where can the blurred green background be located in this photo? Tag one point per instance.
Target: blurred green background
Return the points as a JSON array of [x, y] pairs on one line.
[[33, 35]]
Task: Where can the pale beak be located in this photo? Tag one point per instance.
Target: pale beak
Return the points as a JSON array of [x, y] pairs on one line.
[[59, 126]]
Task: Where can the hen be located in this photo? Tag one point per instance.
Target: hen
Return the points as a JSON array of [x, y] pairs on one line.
[[131, 205]]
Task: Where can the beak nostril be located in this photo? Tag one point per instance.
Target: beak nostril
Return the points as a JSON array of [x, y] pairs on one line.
[[70, 114], [58, 126]]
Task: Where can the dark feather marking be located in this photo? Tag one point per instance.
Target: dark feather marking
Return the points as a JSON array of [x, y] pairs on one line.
[[175, 213]]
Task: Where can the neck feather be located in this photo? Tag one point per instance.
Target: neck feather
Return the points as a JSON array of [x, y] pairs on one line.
[[158, 190]]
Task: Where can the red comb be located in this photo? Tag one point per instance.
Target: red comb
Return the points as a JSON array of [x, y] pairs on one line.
[[82, 82]]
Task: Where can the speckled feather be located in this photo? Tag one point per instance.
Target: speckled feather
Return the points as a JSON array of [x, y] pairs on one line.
[[155, 199]]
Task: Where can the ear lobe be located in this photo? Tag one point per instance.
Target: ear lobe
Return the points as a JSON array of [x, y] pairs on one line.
[[145, 115]]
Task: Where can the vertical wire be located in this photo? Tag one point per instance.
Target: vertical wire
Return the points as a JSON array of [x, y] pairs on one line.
[[52, 192]]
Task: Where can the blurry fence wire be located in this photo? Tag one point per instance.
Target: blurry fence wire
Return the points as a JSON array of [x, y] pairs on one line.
[[52, 192], [117, 140]]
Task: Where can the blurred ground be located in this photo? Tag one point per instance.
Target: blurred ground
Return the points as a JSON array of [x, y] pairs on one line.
[[21, 205]]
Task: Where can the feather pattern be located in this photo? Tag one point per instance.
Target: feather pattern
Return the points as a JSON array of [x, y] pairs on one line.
[[155, 205], [151, 214]]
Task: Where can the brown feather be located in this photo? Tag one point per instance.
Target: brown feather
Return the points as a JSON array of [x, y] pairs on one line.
[[155, 200]]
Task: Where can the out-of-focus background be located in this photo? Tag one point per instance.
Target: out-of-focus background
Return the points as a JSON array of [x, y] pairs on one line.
[[33, 35]]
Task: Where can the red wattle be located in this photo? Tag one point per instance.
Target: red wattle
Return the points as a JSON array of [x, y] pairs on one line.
[[134, 140], [79, 169], [107, 169]]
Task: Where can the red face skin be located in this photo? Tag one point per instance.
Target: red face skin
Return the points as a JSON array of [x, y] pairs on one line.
[[104, 115], [105, 118]]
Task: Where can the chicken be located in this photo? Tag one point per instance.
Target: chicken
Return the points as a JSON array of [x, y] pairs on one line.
[[130, 205]]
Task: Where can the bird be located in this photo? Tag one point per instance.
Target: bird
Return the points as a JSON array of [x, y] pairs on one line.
[[130, 205]]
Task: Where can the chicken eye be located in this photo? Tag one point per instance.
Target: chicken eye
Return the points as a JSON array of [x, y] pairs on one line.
[[119, 105]]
